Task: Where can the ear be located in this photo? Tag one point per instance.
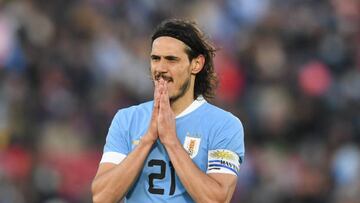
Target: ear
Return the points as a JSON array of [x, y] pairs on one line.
[[198, 64]]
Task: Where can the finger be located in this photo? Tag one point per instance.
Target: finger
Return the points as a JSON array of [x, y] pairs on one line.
[[156, 94], [166, 94], [164, 102], [155, 112], [161, 85]]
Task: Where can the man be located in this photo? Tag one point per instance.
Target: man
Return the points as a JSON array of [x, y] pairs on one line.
[[176, 148]]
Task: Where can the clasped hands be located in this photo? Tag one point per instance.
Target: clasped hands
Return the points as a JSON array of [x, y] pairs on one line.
[[162, 123]]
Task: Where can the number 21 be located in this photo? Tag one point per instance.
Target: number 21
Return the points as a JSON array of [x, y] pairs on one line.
[[160, 176]]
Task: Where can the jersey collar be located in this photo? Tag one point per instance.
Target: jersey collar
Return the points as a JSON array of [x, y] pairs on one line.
[[193, 106]]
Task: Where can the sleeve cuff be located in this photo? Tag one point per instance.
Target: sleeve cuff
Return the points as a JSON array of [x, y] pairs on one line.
[[112, 157]]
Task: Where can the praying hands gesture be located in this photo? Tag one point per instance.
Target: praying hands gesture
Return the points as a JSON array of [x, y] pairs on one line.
[[166, 118], [162, 124]]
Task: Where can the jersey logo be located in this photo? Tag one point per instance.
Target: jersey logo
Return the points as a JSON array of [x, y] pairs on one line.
[[192, 144], [135, 142]]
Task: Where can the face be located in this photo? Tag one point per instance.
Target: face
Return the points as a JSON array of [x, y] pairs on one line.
[[170, 62]]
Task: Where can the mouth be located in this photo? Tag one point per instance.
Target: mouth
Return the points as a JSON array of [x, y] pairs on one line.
[[164, 77]]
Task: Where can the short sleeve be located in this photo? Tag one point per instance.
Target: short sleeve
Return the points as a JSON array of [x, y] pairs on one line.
[[116, 147], [227, 150]]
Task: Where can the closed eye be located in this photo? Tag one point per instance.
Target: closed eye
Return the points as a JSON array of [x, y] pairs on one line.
[[172, 58], [155, 58]]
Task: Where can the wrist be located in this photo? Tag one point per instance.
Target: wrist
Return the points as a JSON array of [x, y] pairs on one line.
[[171, 142], [148, 138]]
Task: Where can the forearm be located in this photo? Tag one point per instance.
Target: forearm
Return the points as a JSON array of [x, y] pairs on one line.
[[113, 184], [199, 185]]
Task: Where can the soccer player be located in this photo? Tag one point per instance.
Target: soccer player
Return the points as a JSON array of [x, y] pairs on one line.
[[178, 147]]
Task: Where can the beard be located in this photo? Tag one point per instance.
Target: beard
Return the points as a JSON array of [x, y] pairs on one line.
[[183, 89]]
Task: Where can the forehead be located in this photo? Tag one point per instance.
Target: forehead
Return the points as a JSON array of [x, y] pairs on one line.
[[167, 46]]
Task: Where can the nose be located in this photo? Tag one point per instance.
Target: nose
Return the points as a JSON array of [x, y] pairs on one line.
[[160, 67]]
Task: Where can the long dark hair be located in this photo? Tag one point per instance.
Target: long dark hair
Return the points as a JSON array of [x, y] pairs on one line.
[[197, 43]]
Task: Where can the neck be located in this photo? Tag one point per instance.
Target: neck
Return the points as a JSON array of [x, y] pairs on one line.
[[183, 102]]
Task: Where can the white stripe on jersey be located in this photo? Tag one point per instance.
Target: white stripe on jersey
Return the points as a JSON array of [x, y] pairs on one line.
[[112, 157]]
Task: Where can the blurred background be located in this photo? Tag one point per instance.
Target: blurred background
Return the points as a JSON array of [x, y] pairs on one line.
[[289, 69]]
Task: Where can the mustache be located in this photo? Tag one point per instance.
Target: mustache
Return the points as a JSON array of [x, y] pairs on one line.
[[164, 77]]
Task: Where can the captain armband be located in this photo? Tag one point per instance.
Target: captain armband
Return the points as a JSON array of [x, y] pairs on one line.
[[223, 161]]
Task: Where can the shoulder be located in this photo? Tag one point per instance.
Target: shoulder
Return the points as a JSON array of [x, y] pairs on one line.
[[227, 131], [220, 115]]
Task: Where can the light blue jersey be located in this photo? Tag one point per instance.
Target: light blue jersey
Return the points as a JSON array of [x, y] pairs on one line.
[[213, 138]]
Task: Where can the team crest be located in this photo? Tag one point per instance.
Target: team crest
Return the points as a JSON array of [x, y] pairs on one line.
[[192, 144]]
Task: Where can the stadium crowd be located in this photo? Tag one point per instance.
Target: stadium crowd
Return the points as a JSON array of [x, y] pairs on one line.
[[289, 69]]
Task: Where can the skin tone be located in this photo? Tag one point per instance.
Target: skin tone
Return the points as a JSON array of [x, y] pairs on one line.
[[174, 77], [170, 62]]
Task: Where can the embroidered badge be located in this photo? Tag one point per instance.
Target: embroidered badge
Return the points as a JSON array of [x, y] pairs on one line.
[[135, 142], [224, 155], [192, 144]]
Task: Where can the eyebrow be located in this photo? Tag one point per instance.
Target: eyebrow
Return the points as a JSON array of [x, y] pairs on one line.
[[169, 57], [154, 56], [172, 58]]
